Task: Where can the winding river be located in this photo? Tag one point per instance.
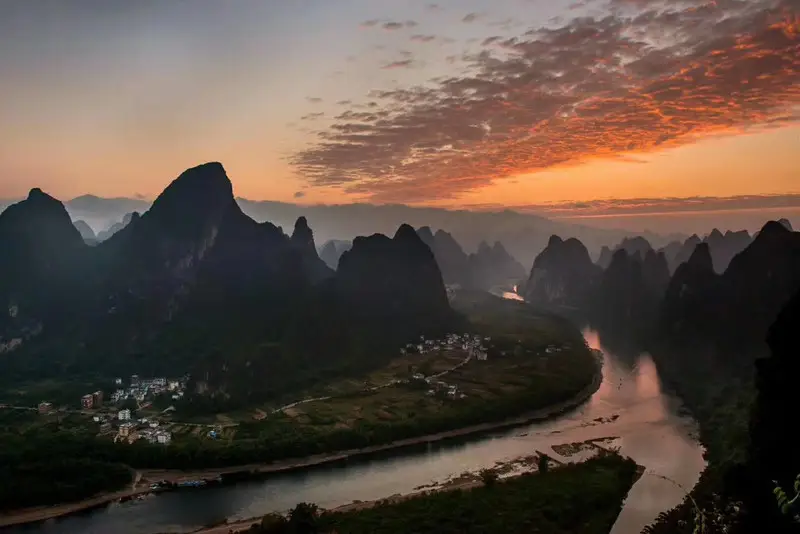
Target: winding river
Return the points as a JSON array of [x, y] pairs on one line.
[[629, 405]]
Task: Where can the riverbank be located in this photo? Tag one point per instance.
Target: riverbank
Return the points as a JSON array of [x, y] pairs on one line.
[[243, 525], [146, 476], [236, 527], [44, 513], [541, 414]]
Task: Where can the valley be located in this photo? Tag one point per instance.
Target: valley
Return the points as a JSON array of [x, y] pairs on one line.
[[628, 412], [421, 267], [247, 359], [524, 366]]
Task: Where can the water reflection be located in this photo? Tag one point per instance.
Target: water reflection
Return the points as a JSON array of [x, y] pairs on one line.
[[629, 405]]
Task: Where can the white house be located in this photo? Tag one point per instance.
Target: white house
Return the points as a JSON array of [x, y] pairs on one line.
[[124, 415], [164, 438]]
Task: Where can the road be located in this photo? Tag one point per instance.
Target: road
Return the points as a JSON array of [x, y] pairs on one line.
[[390, 383], [276, 410]]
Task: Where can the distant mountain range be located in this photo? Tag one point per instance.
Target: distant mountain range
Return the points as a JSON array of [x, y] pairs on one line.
[[701, 287], [195, 285], [489, 266], [522, 235]]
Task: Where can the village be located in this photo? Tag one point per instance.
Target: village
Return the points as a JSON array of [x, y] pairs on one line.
[[117, 416], [143, 408], [472, 345]]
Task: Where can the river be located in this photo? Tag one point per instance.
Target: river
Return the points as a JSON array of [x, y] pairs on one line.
[[629, 405]]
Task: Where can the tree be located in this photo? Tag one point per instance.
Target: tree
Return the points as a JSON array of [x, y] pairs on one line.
[[544, 463], [303, 518], [274, 524], [787, 503], [488, 477], [130, 404]]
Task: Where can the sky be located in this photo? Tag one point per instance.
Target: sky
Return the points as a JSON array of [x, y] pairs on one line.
[[584, 109]]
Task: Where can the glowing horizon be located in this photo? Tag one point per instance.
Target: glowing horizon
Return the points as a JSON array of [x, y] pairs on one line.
[[512, 103]]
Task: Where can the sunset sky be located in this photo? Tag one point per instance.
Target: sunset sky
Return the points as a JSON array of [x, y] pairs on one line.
[[535, 104]]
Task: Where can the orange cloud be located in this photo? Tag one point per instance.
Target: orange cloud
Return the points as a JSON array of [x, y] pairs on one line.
[[593, 88]]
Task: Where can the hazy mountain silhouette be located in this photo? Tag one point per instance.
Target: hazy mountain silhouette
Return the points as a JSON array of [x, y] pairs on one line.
[[635, 245], [722, 247], [451, 258], [101, 213], [493, 266], [86, 231], [332, 250], [606, 255], [40, 267], [725, 247], [630, 292], [303, 240], [562, 275], [523, 235], [393, 279], [632, 245], [732, 310], [683, 254], [484, 269], [116, 227], [690, 296], [195, 285]]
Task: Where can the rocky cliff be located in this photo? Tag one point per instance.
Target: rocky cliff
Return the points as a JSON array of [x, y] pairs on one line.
[[41, 267], [332, 250], [493, 266], [562, 275], [393, 279], [303, 241], [451, 258]]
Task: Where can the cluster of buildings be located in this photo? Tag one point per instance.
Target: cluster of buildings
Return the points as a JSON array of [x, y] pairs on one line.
[[132, 431], [473, 343], [92, 400], [440, 388], [141, 388]]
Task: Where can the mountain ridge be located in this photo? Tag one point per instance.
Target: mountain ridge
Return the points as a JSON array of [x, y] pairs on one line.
[[196, 285], [522, 234]]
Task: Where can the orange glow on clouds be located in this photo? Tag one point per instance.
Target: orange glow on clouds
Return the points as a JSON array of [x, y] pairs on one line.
[[594, 89]]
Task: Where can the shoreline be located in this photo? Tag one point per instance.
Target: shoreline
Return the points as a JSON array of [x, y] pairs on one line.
[[240, 526], [322, 459], [40, 514]]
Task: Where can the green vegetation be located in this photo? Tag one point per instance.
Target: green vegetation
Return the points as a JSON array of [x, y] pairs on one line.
[[519, 376], [583, 498], [787, 504], [720, 397], [52, 460]]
